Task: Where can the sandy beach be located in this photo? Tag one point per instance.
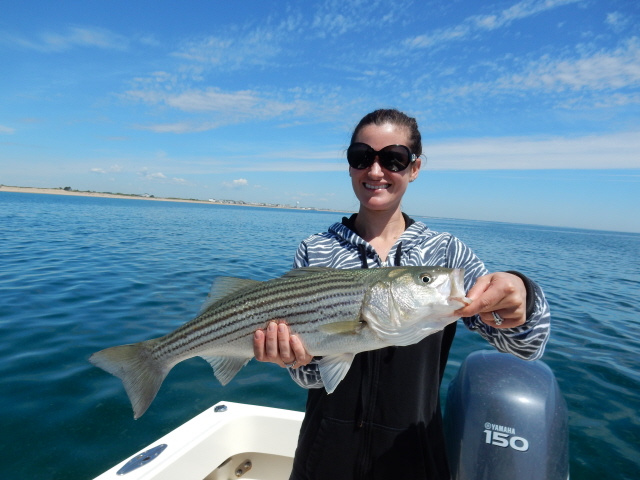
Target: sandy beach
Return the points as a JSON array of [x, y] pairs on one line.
[[61, 191]]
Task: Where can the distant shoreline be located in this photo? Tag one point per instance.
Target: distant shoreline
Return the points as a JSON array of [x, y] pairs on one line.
[[77, 193], [62, 191]]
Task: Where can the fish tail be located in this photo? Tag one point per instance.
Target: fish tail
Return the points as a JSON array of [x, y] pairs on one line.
[[141, 374]]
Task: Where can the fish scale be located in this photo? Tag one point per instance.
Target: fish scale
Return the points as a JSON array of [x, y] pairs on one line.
[[335, 313], [227, 318]]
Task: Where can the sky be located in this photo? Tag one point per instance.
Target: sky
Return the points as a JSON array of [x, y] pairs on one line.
[[529, 109]]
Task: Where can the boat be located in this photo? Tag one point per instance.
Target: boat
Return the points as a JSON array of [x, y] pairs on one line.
[[504, 418], [228, 440]]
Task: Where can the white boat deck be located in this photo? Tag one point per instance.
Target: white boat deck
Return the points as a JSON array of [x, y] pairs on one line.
[[227, 441]]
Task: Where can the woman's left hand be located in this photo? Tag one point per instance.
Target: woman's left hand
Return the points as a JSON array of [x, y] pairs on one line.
[[276, 344], [502, 293]]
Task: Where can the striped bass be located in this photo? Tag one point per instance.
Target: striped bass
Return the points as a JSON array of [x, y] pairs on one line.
[[336, 313]]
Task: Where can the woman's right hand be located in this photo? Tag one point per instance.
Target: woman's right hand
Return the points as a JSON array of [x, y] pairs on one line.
[[276, 344]]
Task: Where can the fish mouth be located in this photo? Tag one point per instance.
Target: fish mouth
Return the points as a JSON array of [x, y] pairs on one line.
[[458, 294], [370, 186], [464, 301]]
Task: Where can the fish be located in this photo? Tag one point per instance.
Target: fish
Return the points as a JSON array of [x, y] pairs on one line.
[[336, 313]]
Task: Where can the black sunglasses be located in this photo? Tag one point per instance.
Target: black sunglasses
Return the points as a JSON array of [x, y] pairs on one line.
[[394, 158]]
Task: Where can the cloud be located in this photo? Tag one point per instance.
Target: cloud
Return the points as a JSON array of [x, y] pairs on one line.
[[213, 99], [335, 18], [238, 183], [203, 100], [111, 169], [161, 177], [479, 23], [608, 151], [72, 37], [219, 107], [617, 21], [248, 47], [145, 173], [614, 69], [245, 46], [7, 130], [600, 78]]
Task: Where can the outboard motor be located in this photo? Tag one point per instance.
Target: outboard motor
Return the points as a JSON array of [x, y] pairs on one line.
[[505, 419]]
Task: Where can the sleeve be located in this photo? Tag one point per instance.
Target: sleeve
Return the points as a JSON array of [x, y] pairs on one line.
[[301, 258], [307, 376], [526, 341]]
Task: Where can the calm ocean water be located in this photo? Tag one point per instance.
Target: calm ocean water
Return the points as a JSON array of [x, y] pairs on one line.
[[79, 274]]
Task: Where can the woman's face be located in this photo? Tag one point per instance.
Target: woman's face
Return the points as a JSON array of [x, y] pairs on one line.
[[376, 187]]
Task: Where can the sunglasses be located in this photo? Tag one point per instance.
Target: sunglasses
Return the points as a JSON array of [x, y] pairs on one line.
[[394, 158]]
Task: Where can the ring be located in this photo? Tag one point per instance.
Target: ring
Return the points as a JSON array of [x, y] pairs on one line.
[[497, 319], [291, 365]]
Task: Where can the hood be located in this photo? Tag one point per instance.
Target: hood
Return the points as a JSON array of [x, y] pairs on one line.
[[410, 238]]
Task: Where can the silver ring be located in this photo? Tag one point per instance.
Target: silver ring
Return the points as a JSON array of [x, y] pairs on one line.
[[497, 319], [291, 365]]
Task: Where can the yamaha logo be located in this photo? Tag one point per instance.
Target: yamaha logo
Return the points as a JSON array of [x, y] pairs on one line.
[[502, 436]]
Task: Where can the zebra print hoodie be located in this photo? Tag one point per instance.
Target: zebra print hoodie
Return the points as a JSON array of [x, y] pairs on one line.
[[341, 247], [384, 417]]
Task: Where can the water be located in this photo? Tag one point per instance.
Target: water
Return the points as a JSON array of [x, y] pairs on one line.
[[78, 274]]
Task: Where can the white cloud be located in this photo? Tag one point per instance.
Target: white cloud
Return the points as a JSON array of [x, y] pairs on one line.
[[333, 18], [145, 173], [72, 37], [161, 177], [608, 151], [616, 21], [112, 169], [7, 130], [238, 49], [220, 107], [278, 36], [478, 23], [603, 78], [213, 99], [527, 8], [237, 183], [614, 69]]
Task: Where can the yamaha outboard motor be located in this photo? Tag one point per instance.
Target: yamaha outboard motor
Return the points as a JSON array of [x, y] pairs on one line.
[[505, 419]]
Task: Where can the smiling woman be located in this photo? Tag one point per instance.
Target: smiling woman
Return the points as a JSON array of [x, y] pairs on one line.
[[386, 411]]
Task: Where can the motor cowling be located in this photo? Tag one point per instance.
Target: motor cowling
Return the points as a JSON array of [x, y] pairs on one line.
[[505, 418]]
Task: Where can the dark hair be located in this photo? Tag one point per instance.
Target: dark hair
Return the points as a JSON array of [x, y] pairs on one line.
[[397, 118]]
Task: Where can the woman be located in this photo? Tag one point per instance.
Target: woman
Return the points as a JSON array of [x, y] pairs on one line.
[[384, 418]]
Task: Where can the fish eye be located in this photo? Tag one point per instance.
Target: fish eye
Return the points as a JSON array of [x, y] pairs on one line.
[[425, 278]]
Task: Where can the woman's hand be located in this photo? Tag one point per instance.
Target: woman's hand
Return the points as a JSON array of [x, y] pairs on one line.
[[502, 293], [276, 344]]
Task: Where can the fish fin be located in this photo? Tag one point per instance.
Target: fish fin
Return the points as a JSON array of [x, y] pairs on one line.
[[140, 373], [303, 271], [338, 328], [225, 368], [225, 286], [333, 368]]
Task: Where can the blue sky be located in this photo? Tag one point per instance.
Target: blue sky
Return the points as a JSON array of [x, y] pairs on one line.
[[529, 109]]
